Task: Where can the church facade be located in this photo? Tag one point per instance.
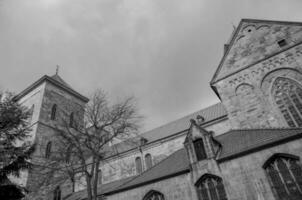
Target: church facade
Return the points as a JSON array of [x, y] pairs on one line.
[[247, 147]]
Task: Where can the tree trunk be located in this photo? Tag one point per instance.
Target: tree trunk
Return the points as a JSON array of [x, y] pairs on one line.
[[95, 181], [88, 188]]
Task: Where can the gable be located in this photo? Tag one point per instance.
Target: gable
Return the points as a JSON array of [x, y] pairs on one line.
[[255, 40]]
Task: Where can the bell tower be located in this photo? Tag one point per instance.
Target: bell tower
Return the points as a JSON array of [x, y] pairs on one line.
[[52, 101]]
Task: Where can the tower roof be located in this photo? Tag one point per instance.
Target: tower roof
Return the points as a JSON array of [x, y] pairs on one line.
[[55, 80]]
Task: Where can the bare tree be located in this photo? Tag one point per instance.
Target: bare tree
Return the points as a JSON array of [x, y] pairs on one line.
[[81, 147]]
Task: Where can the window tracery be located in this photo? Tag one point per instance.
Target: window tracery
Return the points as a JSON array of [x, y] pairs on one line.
[[199, 149], [154, 195], [287, 95], [211, 188], [285, 174]]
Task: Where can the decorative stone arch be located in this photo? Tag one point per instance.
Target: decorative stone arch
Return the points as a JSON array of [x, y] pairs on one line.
[[154, 195], [210, 187], [284, 173], [267, 85]]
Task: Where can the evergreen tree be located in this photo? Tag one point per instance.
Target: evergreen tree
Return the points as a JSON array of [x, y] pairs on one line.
[[15, 149]]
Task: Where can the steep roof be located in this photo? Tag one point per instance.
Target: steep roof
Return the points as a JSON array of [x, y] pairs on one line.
[[175, 164], [234, 143], [250, 44], [57, 81], [105, 188], [210, 113], [238, 142]]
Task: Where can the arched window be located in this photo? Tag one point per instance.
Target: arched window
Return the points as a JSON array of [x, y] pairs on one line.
[[48, 150], [138, 163], [148, 160], [285, 175], [53, 112], [57, 193], [154, 195], [287, 95], [210, 187], [199, 149], [71, 120]]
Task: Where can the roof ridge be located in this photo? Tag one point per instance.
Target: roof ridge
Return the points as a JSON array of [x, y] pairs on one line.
[[257, 129], [187, 115]]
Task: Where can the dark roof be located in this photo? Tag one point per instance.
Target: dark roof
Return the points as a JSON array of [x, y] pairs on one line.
[[105, 188], [175, 164], [238, 142], [57, 81], [210, 113], [234, 143]]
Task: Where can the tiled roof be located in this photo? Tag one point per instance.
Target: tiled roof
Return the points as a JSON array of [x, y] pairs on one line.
[[210, 113], [57, 78], [105, 188], [57, 81], [236, 142], [176, 163]]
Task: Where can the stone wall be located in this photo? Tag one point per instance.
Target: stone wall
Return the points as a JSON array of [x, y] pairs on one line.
[[246, 94], [244, 177]]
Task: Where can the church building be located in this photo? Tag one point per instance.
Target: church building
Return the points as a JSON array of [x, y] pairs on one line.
[[247, 147]]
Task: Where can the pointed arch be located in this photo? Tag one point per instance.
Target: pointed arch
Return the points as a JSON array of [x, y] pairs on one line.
[[287, 96], [53, 112], [210, 187], [148, 161], [154, 195], [199, 148], [284, 172], [48, 149]]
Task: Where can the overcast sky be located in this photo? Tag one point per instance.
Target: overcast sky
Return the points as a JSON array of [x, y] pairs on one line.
[[162, 51]]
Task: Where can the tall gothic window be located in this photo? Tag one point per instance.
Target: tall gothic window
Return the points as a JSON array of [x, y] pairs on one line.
[[154, 195], [210, 187], [199, 149], [53, 112], [287, 94], [48, 150], [57, 193], [148, 160], [285, 174], [138, 163]]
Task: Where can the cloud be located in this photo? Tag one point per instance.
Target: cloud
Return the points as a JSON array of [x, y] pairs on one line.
[[163, 52]]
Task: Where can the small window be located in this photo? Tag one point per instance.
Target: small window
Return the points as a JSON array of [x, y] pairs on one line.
[[71, 120], [53, 112], [282, 43], [138, 163], [48, 150], [57, 194], [199, 149], [148, 160]]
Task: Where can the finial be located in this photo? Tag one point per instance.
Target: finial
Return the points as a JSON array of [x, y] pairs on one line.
[[57, 69]]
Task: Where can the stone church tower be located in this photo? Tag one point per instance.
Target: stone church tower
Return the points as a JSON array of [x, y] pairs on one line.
[[259, 79], [52, 102]]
